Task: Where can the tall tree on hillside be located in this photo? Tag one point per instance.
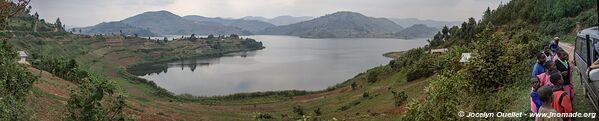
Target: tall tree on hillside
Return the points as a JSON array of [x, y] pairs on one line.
[[8, 9], [37, 18], [487, 13], [58, 25], [28, 10], [445, 32]]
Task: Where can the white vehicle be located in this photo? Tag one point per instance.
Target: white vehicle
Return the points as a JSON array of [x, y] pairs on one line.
[[584, 55]]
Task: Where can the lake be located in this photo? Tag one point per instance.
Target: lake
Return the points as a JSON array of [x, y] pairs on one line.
[[286, 63]]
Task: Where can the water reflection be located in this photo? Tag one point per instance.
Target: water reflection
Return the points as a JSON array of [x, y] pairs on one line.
[[190, 64], [286, 63]]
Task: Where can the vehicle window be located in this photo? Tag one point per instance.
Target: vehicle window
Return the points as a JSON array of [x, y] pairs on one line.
[[583, 49], [577, 45], [595, 40]]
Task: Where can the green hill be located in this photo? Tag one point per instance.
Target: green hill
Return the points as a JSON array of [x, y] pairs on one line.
[[115, 28], [338, 25]]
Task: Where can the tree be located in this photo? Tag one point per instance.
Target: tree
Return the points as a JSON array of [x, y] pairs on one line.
[[193, 38], [437, 40], [488, 68], [210, 36], [9, 9], [72, 64], [234, 36], [445, 32], [85, 103], [58, 25], [487, 13], [28, 10], [373, 76]]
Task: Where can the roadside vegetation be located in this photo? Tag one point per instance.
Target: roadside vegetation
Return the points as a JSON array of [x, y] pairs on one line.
[[504, 41]]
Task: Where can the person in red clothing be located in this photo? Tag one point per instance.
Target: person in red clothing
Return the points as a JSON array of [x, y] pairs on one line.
[[561, 100]]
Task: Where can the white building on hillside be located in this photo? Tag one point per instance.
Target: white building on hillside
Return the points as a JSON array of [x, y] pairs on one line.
[[23, 57]]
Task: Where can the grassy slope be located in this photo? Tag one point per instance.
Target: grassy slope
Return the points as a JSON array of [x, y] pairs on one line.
[[91, 54]]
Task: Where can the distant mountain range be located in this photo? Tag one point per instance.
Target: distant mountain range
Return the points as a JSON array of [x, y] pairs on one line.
[[337, 25], [430, 23], [279, 20], [167, 23], [417, 31]]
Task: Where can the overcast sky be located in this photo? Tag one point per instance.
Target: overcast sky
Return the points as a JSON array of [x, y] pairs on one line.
[[90, 12]]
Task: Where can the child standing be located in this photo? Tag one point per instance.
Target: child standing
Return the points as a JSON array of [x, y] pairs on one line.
[[535, 102], [561, 101]]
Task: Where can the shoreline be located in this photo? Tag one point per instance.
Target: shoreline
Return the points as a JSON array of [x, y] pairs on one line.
[[394, 54], [263, 94]]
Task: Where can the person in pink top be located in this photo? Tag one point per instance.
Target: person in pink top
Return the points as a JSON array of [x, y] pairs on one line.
[[544, 77]]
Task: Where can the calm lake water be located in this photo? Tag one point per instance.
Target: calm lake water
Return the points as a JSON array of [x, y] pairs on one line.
[[286, 63]]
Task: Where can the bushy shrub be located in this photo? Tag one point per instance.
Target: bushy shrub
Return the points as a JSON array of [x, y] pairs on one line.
[[399, 97], [373, 75], [354, 86], [259, 116], [443, 97], [61, 67], [365, 95], [299, 110], [317, 112], [422, 68], [85, 103], [488, 68], [408, 58]]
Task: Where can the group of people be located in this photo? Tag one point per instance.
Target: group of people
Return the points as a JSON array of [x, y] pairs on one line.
[[551, 83]]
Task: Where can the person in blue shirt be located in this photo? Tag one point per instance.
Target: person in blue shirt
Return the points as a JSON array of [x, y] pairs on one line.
[[554, 46], [547, 52], [538, 67]]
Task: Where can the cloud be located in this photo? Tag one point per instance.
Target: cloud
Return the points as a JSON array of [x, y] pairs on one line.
[[90, 12]]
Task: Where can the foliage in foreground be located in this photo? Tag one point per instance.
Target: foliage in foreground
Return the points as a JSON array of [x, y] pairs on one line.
[[503, 47], [15, 85], [86, 102]]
